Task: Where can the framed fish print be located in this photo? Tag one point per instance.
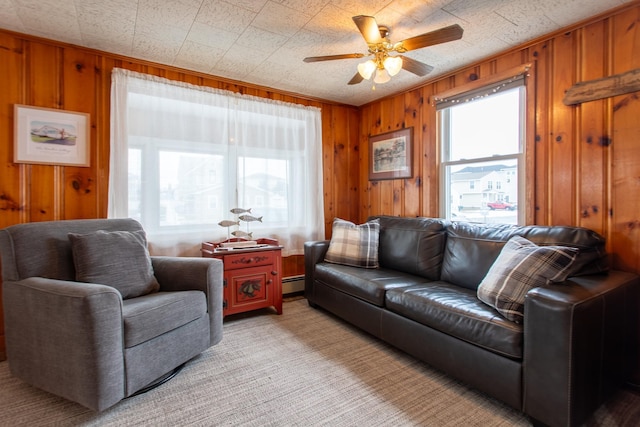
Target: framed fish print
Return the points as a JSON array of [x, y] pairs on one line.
[[390, 155], [50, 136]]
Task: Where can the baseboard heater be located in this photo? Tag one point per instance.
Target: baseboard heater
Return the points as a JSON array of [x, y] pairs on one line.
[[292, 284]]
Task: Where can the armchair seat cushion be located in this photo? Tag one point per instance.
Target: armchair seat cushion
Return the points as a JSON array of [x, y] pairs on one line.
[[152, 315]]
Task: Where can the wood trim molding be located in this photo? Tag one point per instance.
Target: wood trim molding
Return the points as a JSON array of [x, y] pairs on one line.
[[485, 81], [606, 87]]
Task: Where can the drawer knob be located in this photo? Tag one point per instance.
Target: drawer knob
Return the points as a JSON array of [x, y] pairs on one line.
[[274, 273]]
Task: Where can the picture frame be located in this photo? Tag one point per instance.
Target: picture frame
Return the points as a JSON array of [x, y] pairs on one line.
[[50, 136], [391, 155]]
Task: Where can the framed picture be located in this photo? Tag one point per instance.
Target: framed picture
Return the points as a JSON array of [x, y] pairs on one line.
[[390, 155], [50, 137]]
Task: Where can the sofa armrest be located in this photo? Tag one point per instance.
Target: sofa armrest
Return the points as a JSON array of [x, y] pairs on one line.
[[77, 328], [578, 337], [192, 273], [314, 253]]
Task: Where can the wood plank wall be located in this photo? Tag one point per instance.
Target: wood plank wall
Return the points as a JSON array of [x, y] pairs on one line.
[[585, 158], [49, 74]]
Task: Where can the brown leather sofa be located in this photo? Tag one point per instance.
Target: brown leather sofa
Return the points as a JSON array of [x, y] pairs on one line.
[[572, 351]]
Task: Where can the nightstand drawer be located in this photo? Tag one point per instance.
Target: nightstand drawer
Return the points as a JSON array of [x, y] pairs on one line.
[[253, 259]]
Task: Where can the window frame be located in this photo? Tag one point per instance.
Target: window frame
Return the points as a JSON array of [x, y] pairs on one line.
[[526, 187], [150, 201], [150, 151]]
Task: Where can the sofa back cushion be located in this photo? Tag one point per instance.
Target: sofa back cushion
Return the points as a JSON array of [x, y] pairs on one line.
[[412, 245], [472, 248]]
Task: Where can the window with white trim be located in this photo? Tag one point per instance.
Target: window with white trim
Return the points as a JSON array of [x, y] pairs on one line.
[[482, 136]]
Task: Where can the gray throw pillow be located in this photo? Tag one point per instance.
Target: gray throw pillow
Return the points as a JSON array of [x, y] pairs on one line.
[[521, 266], [115, 258], [354, 245]]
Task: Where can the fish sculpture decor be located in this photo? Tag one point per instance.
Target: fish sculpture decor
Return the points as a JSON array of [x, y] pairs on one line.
[[244, 238]]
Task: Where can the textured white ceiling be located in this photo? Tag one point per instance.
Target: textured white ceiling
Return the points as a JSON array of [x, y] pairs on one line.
[[264, 41]]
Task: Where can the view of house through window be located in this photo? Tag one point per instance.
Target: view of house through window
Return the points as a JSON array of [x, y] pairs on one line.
[[482, 157], [186, 192], [263, 183]]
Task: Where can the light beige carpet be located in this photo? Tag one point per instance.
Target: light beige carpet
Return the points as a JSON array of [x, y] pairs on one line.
[[303, 368]]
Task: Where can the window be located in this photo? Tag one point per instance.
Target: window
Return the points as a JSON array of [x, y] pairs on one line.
[[183, 190], [482, 139], [183, 156]]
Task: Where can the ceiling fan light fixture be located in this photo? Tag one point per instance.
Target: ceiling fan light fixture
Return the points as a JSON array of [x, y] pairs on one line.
[[366, 69], [382, 76], [381, 49], [393, 65]]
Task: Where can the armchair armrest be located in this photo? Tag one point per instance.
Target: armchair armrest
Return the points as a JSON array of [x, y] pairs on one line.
[[77, 328], [191, 273], [314, 253], [578, 338]]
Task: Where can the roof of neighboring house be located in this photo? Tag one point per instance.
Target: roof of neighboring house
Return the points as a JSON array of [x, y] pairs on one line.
[[472, 173]]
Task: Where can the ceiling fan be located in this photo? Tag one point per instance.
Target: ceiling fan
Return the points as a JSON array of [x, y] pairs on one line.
[[383, 64]]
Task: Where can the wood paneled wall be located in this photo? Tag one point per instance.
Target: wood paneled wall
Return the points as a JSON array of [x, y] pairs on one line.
[[585, 158], [48, 74]]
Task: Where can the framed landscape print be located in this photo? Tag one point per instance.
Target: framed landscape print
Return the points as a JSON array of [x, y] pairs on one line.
[[51, 137], [390, 155]]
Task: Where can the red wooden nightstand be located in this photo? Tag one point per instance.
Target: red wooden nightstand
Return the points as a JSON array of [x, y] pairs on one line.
[[252, 276]]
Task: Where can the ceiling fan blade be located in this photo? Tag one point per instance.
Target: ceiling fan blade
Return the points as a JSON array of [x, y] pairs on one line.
[[357, 78], [369, 28], [443, 35], [332, 57], [416, 67]]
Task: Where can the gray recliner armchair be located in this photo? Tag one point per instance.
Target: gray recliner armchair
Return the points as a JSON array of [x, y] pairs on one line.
[[91, 317]]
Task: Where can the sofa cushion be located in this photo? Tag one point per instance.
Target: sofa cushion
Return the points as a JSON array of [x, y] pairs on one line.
[[480, 244], [520, 267], [115, 258], [367, 284], [457, 311], [354, 245], [412, 245], [152, 315]]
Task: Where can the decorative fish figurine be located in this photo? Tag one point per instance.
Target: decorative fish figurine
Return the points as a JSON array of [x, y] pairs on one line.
[[250, 218], [240, 233], [240, 210], [228, 223]]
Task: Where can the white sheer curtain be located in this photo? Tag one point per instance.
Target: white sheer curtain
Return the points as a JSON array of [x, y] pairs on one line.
[[183, 156]]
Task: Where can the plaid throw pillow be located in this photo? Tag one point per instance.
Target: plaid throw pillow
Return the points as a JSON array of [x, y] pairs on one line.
[[354, 245], [522, 265]]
